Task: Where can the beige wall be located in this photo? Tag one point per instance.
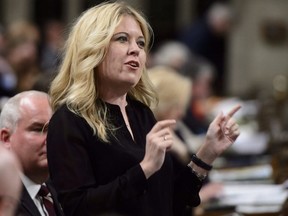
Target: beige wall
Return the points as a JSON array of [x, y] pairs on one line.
[[253, 61], [14, 10]]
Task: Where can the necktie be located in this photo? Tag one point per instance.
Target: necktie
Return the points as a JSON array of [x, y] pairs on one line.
[[47, 200]]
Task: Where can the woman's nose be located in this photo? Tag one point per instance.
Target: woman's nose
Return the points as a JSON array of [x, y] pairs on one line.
[[134, 49]]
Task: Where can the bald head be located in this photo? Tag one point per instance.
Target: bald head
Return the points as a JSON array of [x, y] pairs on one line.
[[11, 111]]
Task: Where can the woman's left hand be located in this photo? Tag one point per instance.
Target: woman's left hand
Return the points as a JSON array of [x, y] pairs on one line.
[[222, 133]]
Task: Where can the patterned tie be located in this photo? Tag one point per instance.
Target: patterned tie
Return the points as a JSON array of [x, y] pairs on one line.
[[47, 200]]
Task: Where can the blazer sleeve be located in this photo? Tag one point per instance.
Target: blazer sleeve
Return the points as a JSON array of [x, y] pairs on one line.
[[186, 188], [72, 174]]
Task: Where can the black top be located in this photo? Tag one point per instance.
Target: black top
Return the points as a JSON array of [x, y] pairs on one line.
[[92, 177]]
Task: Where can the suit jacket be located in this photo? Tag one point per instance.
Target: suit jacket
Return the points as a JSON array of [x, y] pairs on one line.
[[27, 206]]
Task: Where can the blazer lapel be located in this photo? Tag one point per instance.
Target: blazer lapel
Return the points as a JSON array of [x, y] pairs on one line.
[[27, 206]]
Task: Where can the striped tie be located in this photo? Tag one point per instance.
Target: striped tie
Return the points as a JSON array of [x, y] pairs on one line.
[[47, 200]]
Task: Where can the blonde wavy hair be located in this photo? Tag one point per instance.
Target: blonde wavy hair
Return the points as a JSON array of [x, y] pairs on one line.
[[76, 83]]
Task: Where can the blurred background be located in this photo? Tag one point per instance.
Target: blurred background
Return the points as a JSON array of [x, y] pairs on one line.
[[233, 51], [255, 52]]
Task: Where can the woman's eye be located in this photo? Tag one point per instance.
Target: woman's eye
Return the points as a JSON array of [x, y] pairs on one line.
[[122, 39], [141, 44]]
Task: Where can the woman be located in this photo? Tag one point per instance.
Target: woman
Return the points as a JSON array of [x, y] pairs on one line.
[[106, 152]]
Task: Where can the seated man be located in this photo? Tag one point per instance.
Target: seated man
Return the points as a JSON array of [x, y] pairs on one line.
[[23, 129], [10, 184]]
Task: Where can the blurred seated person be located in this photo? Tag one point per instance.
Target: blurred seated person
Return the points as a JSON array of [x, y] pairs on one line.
[[21, 53], [177, 55], [174, 92], [202, 74], [173, 54], [8, 79], [10, 183], [23, 129], [207, 38], [52, 44]]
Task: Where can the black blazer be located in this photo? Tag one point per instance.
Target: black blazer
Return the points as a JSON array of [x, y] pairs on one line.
[[27, 207]]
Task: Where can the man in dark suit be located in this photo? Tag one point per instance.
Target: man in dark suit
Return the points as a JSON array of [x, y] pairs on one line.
[[23, 128]]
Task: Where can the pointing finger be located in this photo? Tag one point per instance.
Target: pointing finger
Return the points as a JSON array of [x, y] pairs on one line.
[[229, 116], [163, 124], [233, 111]]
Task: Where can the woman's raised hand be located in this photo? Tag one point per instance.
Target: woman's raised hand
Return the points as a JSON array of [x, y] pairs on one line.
[[158, 141], [222, 133]]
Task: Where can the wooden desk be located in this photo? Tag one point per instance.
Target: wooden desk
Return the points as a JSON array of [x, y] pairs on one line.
[[214, 211]]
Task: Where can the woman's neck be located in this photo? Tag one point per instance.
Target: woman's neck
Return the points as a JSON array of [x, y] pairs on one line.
[[116, 100], [121, 101]]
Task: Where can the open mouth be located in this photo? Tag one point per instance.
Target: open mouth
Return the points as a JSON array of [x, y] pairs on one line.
[[133, 64]]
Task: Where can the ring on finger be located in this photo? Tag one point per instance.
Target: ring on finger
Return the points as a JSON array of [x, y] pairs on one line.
[[165, 138]]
